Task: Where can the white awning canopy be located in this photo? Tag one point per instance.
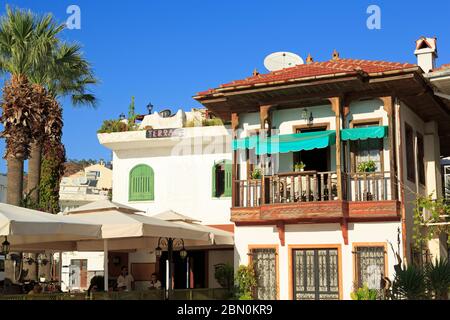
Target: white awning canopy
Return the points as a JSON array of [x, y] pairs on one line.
[[25, 226]]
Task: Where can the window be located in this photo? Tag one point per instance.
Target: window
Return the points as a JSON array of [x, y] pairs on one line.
[[420, 159], [367, 150], [410, 163], [447, 183], [141, 184], [315, 274], [253, 160], [370, 266], [221, 179], [264, 262]]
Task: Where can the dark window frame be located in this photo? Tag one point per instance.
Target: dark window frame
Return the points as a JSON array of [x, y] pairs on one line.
[[410, 158], [421, 158]]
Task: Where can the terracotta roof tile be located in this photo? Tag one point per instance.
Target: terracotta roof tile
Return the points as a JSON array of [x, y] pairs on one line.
[[443, 67], [314, 69]]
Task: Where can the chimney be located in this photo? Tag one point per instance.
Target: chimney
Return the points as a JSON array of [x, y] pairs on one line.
[[426, 52]]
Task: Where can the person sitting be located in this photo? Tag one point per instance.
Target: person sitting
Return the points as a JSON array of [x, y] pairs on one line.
[[154, 282], [125, 282], [37, 289]]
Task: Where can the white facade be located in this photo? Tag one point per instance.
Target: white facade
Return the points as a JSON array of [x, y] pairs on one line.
[[330, 235], [183, 177], [91, 184]]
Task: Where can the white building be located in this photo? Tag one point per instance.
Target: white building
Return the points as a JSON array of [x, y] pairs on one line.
[[370, 133], [173, 165], [91, 184]]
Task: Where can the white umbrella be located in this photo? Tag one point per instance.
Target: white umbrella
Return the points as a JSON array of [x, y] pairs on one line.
[[25, 226], [217, 236], [119, 221], [123, 228]]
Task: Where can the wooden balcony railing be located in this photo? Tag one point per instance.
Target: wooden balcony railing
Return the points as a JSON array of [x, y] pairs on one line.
[[287, 187], [368, 186], [310, 186]]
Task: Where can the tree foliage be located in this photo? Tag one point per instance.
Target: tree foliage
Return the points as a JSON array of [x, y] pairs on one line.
[[52, 169], [429, 214]]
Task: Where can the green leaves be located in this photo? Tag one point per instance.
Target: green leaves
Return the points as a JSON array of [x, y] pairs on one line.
[[410, 283], [438, 278], [364, 293], [245, 281]]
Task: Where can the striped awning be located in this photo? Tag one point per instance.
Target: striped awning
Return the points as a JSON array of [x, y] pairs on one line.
[[375, 132]]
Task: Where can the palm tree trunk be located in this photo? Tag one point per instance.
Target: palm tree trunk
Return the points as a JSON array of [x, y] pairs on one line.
[[15, 181], [34, 172]]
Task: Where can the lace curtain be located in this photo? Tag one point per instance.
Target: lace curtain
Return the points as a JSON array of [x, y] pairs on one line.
[[264, 261]]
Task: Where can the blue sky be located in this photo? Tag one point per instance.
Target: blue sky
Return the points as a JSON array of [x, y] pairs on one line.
[[164, 52]]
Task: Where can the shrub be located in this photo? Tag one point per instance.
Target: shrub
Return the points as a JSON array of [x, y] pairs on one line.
[[110, 126], [438, 278], [364, 293], [246, 282], [410, 283]]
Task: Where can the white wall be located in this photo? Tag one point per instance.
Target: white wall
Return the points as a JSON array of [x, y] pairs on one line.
[[94, 263], [316, 234], [183, 183]]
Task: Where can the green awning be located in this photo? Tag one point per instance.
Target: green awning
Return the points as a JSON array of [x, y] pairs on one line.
[[245, 143], [376, 132], [296, 142]]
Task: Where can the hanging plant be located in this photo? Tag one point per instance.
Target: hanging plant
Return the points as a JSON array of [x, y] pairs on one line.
[[367, 166]]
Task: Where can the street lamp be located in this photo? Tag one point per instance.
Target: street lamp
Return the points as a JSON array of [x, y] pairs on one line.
[[170, 243], [5, 246], [149, 108], [158, 251]]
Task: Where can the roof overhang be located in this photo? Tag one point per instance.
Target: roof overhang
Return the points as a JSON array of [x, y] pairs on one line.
[[409, 85]]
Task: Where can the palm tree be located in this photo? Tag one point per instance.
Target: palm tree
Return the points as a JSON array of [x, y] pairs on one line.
[[42, 69], [24, 42], [66, 73]]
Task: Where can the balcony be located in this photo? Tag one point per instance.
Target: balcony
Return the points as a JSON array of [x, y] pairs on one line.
[[313, 196]]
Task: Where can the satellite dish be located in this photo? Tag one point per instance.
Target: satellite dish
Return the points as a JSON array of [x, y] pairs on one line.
[[280, 60]]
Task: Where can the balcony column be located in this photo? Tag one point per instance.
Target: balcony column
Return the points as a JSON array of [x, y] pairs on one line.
[[339, 111], [235, 166], [388, 103], [265, 118], [336, 106]]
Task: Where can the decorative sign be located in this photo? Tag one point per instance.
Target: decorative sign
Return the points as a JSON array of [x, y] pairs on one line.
[[163, 133]]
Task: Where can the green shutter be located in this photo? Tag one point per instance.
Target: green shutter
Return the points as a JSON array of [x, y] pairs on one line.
[[228, 179], [213, 181], [141, 184]]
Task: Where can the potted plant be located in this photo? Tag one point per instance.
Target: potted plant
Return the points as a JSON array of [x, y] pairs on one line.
[[256, 174], [367, 166], [299, 167]]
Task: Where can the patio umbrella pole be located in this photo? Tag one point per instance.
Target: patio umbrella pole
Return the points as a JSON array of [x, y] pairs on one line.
[[170, 256], [60, 269], [105, 264]]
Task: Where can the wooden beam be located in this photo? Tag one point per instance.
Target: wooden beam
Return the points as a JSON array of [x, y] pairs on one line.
[[388, 105], [344, 229], [235, 167], [336, 106], [281, 232]]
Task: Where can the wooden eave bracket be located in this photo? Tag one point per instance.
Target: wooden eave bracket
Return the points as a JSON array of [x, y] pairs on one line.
[[344, 229], [281, 231]]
